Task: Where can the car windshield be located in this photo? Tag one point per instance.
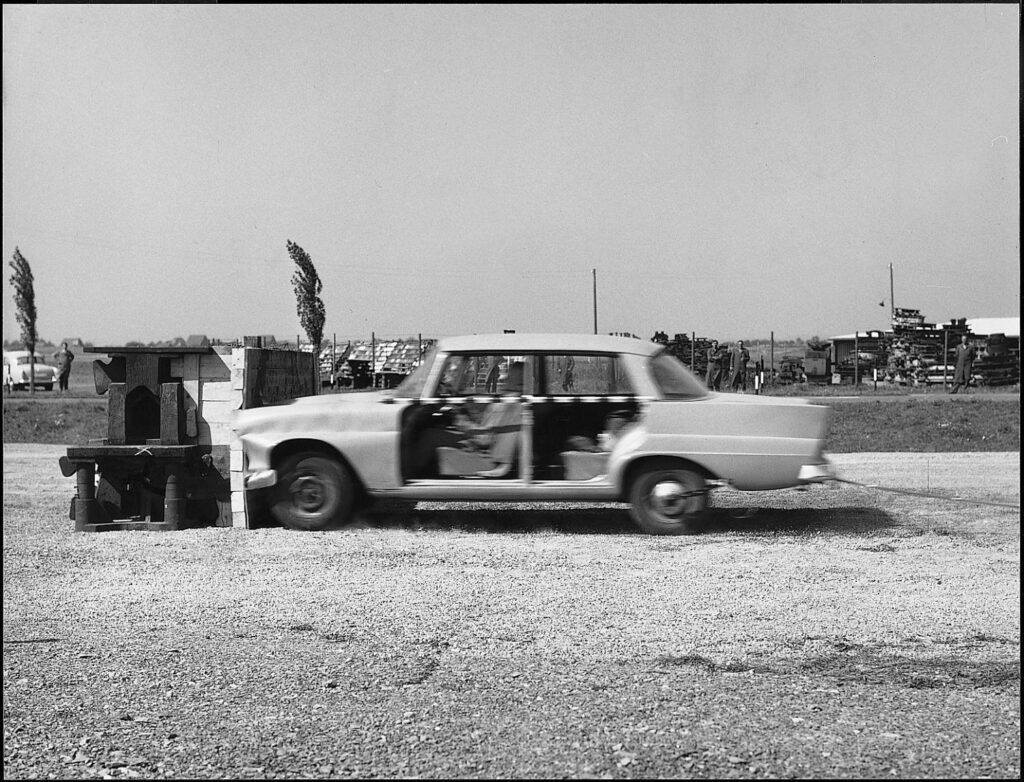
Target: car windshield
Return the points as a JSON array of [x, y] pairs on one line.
[[27, 360], [412, 386], [674, 379]]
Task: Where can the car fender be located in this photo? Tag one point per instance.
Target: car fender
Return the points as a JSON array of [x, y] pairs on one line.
[[750, 450], [364, 432]]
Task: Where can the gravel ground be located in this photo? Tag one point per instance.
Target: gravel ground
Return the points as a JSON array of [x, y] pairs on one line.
[[838, 632]]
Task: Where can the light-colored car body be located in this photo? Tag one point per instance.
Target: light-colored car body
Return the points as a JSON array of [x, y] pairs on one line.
[[17, 371], [574, 388]]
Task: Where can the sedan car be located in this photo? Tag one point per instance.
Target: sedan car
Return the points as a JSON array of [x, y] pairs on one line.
[[17, 369], [520, 417]]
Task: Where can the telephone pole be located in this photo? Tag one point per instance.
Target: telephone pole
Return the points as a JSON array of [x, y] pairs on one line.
[[595, 300], [892, 302]]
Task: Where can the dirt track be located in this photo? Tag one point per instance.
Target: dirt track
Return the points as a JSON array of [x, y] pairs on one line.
[[838, 632]]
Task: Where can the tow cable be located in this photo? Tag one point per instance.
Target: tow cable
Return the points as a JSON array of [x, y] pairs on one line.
[[926, 494]]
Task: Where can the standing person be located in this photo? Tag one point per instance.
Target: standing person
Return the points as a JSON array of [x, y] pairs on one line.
[[740, 357], [568, 379], [724, 357], [714, 366], [64, 358], [965, 355]]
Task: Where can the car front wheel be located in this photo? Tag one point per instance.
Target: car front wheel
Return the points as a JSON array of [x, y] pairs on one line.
[[667, 499], [314, 492]]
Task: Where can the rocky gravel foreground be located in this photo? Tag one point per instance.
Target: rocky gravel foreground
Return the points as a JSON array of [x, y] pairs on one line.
[[839, 632]]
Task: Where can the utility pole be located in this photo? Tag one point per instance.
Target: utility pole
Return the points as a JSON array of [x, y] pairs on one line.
[[892, 301], [595, 300]]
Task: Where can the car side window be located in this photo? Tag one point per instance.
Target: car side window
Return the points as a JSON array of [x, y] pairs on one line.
[[674, 380], [585, 375], [481, 374]]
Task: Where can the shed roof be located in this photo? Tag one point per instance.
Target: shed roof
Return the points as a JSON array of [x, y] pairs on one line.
[[1008, 326]]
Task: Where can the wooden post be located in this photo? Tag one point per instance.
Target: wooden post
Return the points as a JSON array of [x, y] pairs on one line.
[[117, 393], [856, 359], [771, 376], [693, 351], [172, 413], [373, 359], [945, 358], [174, 496], [86, 507]]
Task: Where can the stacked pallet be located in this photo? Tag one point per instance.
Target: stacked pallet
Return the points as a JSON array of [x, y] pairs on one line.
[[999, 365], [916, 351], [691, 351], [920, 350], [915, 348]]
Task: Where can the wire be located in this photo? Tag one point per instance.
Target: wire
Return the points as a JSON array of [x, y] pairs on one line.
[[926, 494]]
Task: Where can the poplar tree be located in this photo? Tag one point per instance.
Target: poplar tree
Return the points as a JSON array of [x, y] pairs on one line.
[[25, 304], [307, 286]]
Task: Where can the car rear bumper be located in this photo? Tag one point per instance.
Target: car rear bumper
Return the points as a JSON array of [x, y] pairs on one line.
[[817, 473]]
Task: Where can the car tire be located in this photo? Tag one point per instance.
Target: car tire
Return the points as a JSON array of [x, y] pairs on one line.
[[47, 386], [314, 492], [669, 499]]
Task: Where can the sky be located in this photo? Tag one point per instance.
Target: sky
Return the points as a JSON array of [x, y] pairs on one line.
[[729, 170]]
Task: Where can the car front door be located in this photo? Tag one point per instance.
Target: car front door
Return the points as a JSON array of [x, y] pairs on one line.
[[474, 423]]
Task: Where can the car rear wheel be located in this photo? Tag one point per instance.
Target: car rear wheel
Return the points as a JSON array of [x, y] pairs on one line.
[[314, 492], [667, 499]]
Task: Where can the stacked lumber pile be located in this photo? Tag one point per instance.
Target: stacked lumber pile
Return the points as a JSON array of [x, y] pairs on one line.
[[999, 364], [691, 351], [916, 352], [917, 346]]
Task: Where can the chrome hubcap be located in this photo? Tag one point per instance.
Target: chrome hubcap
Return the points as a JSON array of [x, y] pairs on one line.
[[670, 498]]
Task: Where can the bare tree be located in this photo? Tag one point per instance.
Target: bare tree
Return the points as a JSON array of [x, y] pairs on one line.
[[307, 295], [25, 302]]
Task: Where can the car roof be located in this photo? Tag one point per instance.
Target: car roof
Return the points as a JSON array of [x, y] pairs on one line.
[[561, 343]]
